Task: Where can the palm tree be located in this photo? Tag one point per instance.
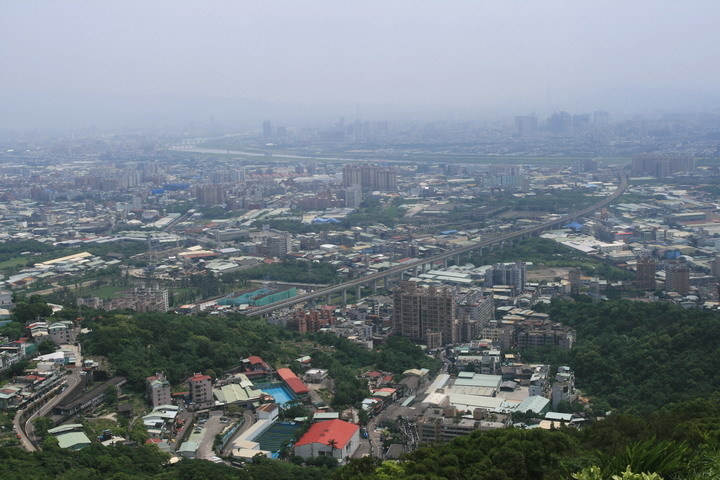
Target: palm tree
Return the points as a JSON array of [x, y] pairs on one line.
[[332, 443]]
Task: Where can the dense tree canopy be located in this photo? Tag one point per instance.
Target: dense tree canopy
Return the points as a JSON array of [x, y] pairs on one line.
[[288, 271], [138, 345], [640, 356], [128, 463], [680, 441]]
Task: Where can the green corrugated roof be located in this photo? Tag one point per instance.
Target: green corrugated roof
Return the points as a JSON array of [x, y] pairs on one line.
[[73, 440]]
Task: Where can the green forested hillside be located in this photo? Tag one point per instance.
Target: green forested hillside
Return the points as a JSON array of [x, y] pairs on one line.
[[639, 357], [657, 362], [680, 442], [140, 344], [130, 463]]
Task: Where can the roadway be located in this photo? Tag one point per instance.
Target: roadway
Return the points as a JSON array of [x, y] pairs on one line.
[[395, 271], [26, 429], [249, 417], [372, 446], [182, 218], [212, 428]]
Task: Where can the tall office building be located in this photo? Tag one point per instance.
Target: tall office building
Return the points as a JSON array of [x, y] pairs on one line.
[[525, 125], [278, 245], [601, 118], [662, 165], [677, 277], [559, 122], [715, 267], [513, 274], [473, 314], [267, 129], [574, 279], [209, 195], [645, 274], [420, 312], [369, 176], [353, 196]]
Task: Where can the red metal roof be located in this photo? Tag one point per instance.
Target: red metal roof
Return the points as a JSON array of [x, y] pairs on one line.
[[385, 390], [297, 386], [292, 381], [268, 407], [322, 432], [198, 377], [254, 359], [286, 373]]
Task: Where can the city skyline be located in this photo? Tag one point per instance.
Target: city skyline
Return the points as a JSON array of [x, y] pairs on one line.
[[166, 63]]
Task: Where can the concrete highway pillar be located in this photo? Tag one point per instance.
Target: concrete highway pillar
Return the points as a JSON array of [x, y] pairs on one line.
[[344, 297], [374, 287], [445, 263], [386, 282], [457, 259], [417, 271], [358, 293]]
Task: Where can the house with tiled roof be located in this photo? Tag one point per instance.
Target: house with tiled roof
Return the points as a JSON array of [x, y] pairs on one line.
[[256, 369], [332, 438]]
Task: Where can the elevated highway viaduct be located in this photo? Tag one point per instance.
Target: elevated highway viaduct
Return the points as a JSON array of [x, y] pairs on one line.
[[420, 264]]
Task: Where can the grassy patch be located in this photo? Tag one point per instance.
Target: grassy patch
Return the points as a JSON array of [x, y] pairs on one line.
[[15, 262], [95, 426], [108, 291]]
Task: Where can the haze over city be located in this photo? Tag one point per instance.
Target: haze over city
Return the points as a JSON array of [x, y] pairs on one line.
[[335, 240], [72, 64]]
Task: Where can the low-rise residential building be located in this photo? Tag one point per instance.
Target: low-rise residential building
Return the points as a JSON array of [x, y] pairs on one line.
[[255, 368], [442, 425], [62, 333], [160, 420], [142, 299]]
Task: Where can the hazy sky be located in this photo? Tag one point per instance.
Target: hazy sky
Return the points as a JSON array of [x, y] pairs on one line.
[[521, 56]]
